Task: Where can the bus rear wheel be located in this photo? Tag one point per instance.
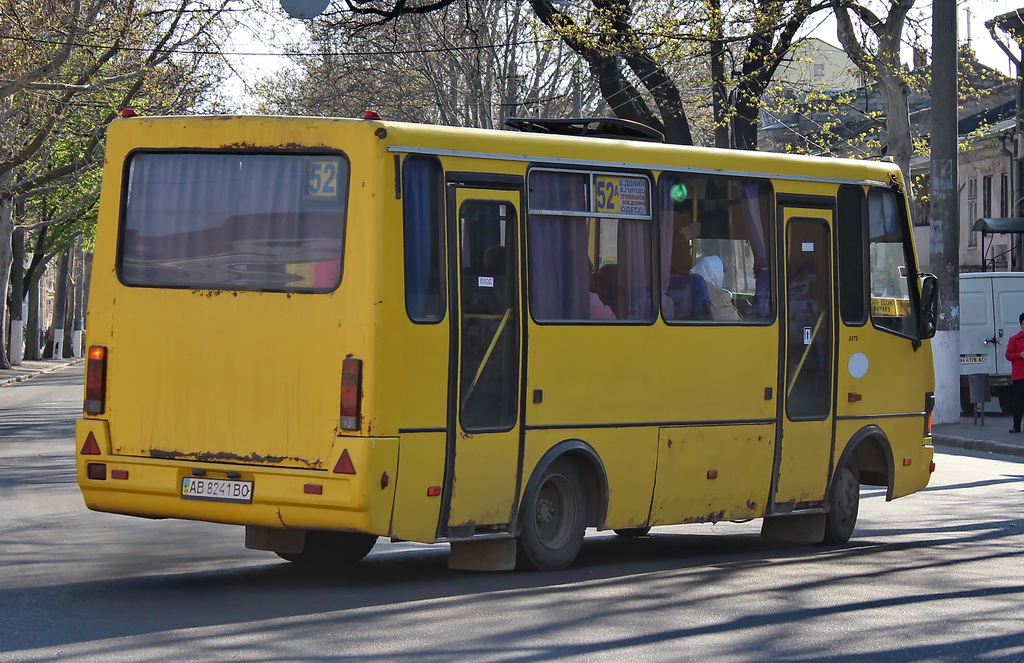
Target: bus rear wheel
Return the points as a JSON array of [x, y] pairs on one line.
[[324, 548], [843, 504], [554, 519]]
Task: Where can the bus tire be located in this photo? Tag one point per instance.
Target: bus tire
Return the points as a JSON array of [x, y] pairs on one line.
[[633, 532], [323, 548], [554, 519], [843, 505]]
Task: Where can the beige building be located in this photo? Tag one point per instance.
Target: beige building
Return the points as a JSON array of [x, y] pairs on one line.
[[816, 66]]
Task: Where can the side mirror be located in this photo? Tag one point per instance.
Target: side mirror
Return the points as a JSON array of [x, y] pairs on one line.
[[929, 316]]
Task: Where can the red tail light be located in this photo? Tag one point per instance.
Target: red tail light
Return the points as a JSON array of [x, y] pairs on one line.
[[351, 393], [96, 380]]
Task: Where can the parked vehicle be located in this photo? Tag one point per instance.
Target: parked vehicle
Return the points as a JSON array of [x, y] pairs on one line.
[[990, 307]]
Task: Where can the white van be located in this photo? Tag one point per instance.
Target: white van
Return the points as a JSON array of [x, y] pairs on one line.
[[990, 308]]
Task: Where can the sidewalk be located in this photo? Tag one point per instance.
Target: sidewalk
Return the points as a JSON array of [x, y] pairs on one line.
[[31, 368], [993, 437]]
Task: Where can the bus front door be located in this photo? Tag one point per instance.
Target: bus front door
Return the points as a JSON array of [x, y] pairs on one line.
[[482, 460], [805, 453]]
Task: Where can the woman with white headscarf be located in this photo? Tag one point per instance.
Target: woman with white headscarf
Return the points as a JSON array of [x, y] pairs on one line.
[[713, 271]]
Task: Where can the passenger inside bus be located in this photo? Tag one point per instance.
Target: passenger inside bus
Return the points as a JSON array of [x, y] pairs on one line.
[[711, 268], [687, 292]]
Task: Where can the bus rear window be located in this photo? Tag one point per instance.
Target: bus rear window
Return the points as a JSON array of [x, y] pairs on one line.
[[271, 222]]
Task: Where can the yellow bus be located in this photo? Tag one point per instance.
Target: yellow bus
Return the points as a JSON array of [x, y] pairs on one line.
[[334, 330]]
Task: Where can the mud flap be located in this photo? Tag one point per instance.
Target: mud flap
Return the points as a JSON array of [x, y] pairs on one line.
[[805, 528], [483, 555]]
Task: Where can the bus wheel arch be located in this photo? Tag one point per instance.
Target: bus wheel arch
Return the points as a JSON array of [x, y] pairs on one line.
[[870, 452], [566, 492]]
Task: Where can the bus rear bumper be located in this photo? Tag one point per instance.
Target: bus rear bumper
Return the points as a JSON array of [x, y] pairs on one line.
[[279, 497]]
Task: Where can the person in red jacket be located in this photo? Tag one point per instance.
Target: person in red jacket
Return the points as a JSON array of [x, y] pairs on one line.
[[1015, 353]]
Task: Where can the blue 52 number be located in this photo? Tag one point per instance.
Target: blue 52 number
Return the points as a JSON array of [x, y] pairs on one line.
[[607, 195], [323, 178]]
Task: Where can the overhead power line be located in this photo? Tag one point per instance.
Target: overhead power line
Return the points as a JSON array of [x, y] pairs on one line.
[[419, 51]]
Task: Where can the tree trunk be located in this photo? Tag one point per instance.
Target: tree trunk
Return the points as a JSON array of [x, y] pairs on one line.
[[17, 300], [897, 120], [81, 288], [33, 346], [6, 260], [59, 309]]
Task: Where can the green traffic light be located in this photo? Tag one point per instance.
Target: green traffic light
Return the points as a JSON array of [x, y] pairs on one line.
[[679, 192]]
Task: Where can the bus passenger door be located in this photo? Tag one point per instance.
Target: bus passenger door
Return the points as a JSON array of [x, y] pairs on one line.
[[803, 458], [482, 459]]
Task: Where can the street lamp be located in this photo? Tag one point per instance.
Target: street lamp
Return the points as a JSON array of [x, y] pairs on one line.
[[304, 8]]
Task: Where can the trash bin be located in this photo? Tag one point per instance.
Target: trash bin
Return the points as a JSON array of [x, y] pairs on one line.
[[977, 384]]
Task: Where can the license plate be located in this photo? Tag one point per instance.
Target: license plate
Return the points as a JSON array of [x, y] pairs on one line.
[[216, 490], [973, 359]]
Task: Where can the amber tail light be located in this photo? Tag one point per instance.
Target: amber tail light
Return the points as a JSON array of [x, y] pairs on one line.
[[351, 393], [96, 380]]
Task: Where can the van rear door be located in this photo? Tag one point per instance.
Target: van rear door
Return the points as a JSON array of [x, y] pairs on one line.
[[978, 340], [1008, 301]]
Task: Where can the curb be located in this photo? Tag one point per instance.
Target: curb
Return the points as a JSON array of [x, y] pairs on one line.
[[977, 445], [31, 374]]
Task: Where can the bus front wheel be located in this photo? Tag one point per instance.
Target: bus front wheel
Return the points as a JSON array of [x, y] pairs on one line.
[[554, 519], [843, 504], [324, 548]]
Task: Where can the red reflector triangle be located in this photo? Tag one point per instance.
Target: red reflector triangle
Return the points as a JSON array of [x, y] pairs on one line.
[[345, 465], [91, 447]]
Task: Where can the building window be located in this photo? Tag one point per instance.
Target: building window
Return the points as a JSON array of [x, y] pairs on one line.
[[1004, 195], [819, 70], [986, 196], [972, 211]]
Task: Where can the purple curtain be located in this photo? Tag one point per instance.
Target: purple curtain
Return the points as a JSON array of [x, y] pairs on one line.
[[233, 221], [665, 205], [559, 264], [634, 273], [750, 196]]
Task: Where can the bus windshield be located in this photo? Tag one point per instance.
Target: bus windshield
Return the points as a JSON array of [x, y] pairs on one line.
[[234, 221]]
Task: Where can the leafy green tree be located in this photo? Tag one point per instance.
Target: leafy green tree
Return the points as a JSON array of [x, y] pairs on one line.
[[69, 67]]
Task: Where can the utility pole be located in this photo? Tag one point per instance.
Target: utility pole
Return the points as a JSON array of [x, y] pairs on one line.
[[945, 235]]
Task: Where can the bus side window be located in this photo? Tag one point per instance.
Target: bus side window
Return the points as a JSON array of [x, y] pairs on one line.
[[851, 238], [714, 258], [889, 254], [566, 283], [424, 246]]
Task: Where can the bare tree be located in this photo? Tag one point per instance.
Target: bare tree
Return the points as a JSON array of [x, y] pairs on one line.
[[648, 58], [874, 46]]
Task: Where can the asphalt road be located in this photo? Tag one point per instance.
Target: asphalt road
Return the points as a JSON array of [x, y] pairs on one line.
[[937, 576]]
